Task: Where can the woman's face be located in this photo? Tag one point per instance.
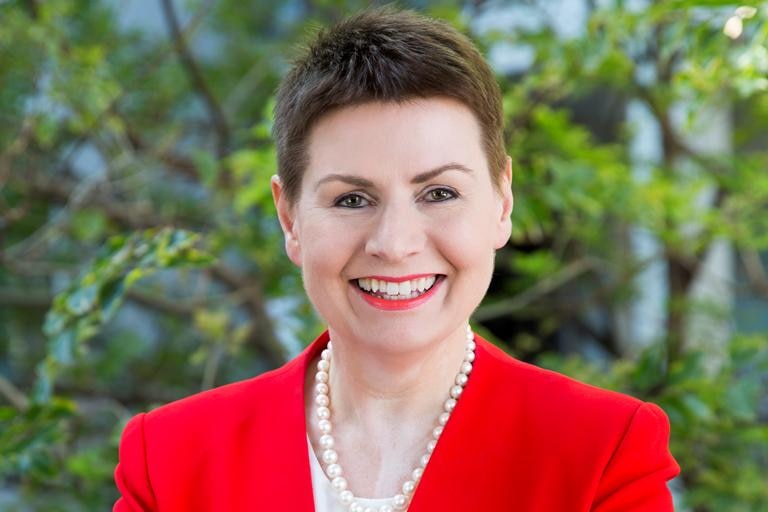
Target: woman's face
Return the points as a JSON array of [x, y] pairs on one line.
[[397, 221]]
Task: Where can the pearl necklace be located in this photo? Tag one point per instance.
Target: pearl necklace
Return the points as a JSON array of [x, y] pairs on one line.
[[330, 457]]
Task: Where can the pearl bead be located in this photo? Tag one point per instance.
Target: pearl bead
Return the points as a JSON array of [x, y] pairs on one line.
[[333, 471], [321, 376], [356, 507], [409, 487], [461, 379], [369, 509], [469, 356], [339, 483], [330, 456], [323, 365], [466, 367], [324, 426], [399, 502], [443, 419], [436, 432], [326, 441], [424, 460], [323, 413], [456, 391], [322, 400], [346, 497], [431, 446], [471, 345], [449, 404], [321, 388], [326, 354], [417, 473]]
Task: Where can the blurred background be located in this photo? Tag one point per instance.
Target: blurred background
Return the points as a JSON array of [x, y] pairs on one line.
[[141, 260]]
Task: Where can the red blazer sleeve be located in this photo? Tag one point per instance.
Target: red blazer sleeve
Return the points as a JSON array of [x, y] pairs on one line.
[[131, 473], [635, 478]]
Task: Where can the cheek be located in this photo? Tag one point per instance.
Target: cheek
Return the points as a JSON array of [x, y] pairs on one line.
[[468, 238], [327, 247], [471, 258]]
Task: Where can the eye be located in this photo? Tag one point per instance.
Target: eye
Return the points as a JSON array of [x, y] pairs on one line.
[[438, 195], [351, 201]]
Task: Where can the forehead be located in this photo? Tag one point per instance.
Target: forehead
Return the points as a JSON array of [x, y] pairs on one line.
[[395, 138]]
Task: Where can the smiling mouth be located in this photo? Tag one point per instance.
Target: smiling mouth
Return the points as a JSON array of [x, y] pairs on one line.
[[403, 290]]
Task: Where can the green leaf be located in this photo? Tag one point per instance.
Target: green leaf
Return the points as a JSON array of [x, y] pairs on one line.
[[54, 323], [82, 300], [112, 294], [697, 408], [742, 398], [62, 347], [81, 311]]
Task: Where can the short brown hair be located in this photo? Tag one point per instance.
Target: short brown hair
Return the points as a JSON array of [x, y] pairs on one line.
[[383, 55]]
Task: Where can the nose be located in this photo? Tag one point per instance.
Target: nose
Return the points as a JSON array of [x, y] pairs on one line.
[[396, 233]]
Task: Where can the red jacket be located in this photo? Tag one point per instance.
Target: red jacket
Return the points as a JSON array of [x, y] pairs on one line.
[[521, 439]]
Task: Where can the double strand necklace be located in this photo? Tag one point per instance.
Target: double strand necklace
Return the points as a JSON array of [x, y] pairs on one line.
[[330, 458]]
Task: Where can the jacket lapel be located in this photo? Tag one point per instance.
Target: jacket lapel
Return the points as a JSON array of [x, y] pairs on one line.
[[465, 471], [289, 452]]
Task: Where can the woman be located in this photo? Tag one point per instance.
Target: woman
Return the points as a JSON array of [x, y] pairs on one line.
[[393, 192]]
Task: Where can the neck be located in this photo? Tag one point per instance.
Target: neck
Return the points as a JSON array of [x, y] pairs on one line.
[[374, 388]]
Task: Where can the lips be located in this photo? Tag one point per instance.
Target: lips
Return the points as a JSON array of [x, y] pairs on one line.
[[397, 293]]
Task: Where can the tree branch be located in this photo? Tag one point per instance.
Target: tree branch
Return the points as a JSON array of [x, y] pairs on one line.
[[24, 298], [13, 394], [34, 8], [174, 162], [534, 293], [196, 77], [133, 216], [262, 331]]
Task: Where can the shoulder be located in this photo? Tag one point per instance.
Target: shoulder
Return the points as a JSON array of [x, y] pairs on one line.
[[507, 370], [564, 423], [228, 409], [181, 452], [226, 406], [550, 400]]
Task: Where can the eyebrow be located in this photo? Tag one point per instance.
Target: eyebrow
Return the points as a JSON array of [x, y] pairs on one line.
[[419, 178]]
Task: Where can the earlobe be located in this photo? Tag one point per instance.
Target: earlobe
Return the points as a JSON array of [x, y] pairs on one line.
[[286, 216]]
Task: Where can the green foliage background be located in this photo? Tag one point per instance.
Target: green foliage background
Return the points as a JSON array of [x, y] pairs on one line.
[[140, 259]]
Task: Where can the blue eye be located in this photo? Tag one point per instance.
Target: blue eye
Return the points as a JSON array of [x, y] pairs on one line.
[[351, 201], [438, 195]]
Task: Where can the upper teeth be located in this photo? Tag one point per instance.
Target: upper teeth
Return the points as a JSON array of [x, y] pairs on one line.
[[401, 288]]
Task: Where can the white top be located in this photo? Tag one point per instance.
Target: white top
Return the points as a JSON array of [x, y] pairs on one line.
[[326, 499]]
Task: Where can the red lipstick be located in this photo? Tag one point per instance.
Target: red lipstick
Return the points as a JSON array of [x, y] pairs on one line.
[[401, 304]]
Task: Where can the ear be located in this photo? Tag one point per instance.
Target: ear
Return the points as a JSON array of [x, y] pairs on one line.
[[287, 216], [505, 202]]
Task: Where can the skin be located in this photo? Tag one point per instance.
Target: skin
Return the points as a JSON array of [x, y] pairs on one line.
[[369, 206]]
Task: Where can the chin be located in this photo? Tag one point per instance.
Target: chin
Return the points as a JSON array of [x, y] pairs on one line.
[[401, 337]]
